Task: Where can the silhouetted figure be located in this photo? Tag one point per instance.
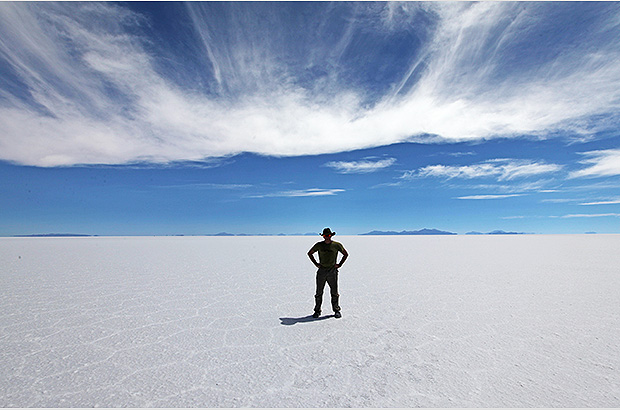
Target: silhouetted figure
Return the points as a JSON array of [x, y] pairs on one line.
[[328, 270]]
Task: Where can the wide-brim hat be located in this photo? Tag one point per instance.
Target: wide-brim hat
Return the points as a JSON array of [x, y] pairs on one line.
[[328, 232]]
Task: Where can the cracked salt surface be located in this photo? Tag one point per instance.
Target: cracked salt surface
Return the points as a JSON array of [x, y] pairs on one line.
[[457, 321]]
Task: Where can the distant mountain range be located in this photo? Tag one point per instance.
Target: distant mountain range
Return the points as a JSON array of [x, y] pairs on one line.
[[52, 235], [261, 234], [424, 231], [70, 235], [495, 233]]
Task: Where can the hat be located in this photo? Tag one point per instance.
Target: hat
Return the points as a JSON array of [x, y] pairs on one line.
[[328, 232]]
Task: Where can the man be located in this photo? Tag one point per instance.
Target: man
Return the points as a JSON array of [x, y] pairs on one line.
[[328, 270]]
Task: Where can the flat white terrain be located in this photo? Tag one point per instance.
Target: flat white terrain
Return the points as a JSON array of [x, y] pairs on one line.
[[431, 321]]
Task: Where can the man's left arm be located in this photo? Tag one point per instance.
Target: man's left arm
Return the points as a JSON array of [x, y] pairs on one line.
[[311, 253], [345, 255]]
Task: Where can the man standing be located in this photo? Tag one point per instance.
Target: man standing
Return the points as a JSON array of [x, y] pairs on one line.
[[328, 270]]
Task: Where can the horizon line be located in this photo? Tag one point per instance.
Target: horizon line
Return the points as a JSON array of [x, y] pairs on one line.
[[386, 233]]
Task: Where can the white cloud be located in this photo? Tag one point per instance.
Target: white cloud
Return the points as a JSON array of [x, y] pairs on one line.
[[95, 94], [602, 163], [483, 197], [299, 193], [502, 169], [460, 154], [590, 215], [512, 187], [559, 200], [609, 202], [387, 184], [360, 167]]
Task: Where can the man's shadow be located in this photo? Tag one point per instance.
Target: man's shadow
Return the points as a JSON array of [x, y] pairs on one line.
[[289, 321]]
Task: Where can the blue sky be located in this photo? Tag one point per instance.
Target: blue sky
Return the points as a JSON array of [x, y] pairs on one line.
[[193, 118]]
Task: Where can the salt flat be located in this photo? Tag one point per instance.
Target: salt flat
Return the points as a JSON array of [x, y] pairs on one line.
[[448, 321]]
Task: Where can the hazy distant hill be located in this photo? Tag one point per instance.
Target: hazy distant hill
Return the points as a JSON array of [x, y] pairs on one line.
[[498, 232], [51, 235], [261, 234], [424, 231]]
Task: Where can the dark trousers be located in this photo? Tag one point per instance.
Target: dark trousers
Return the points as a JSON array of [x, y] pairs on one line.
[[329, 275]]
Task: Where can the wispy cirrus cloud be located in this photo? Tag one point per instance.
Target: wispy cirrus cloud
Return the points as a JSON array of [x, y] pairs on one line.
[[485, 197], [502, 169], [559, 200], [459, 154], [511, 187], [361, 167], [299, 193], [601, 163], [590, 215], [94, 83], [606, 202]]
